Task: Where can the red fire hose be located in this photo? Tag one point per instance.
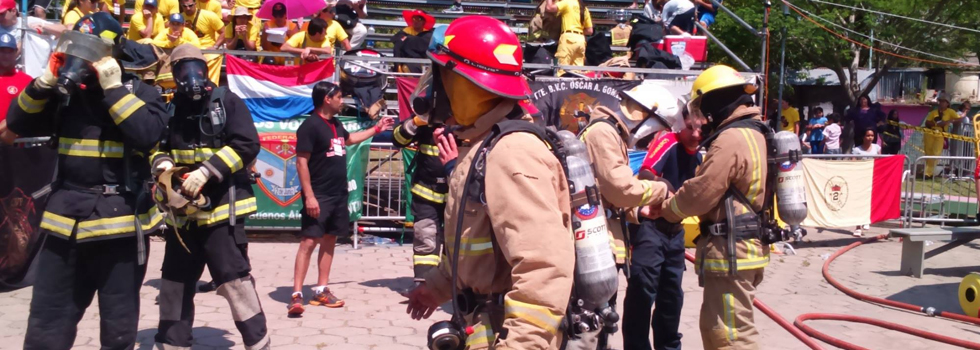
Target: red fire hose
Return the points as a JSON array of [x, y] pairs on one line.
[[804, 332]]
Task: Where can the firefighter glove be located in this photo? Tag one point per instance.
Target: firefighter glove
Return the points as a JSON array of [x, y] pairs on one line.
[[194, 181], [49, 77], [163, 166], [110, 74]]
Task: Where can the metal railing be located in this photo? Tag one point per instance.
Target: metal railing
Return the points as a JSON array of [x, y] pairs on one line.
[[384, 191], [948, 197]]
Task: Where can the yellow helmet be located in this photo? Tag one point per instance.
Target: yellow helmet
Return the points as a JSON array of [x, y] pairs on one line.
[[719, 77]]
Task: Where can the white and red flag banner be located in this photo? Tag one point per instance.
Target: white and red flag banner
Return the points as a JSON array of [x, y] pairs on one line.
[[842, 194]]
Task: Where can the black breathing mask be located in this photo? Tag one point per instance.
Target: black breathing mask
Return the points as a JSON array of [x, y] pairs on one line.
[[79, 51], [430, 98], [191, 77]]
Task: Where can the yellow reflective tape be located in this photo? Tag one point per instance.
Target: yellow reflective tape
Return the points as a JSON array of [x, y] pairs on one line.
[[647, 194], [90, 148], [125, 107], [481, 336], [729, 300], [57, 223], [677, 211], [230, 158], [537, 315], [191, 156], [721, 265], [219, 214], [425, 260], [429, 150], [428, 194], [471, 246], [29, 104], [399, 138], [755, 184]]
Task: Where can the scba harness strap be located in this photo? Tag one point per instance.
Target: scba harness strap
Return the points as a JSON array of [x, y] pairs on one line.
[[756, 224], [216, 115]]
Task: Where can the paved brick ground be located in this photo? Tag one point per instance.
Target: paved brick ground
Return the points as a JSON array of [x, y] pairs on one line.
[[375, 318]]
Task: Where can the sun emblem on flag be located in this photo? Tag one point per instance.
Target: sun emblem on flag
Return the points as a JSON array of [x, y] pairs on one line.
[[835, 193]]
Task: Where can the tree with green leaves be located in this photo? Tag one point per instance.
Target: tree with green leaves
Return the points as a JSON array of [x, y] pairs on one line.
[[913, 43]]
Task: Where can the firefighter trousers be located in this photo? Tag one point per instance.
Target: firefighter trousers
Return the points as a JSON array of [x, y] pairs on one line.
[[428, 232], [656, 273], [72, 274], [222, 249], [727, 320]]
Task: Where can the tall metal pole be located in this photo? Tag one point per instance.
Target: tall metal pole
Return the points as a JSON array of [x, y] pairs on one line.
[[782, 69], [782, 76], [764, 34], [871, 51]]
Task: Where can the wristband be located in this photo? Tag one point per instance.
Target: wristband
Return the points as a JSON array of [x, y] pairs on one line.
[[377, 129]]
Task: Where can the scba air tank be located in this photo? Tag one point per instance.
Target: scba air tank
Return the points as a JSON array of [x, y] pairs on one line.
[[596, 278], [790, 186]]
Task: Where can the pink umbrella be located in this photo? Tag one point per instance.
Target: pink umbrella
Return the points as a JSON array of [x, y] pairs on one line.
[[294, 8]]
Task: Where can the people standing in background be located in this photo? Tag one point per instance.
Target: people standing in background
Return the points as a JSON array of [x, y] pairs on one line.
[[321, 146], [318, 39], [868, 147], [275, 32], [176, 35], [353, 10], [12, 82], [938, 120], [678, 15], [791, 118], [76, 10], [815, 130], [335, 32], [243, 32], [863, 116], [891, 135], [831, 135], [146, 24], [576, 23], [706, 12]]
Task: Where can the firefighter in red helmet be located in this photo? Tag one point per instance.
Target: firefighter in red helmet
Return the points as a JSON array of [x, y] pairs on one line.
[[510, 293]]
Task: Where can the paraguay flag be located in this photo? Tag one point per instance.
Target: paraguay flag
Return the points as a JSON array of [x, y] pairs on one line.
[[274, 93]]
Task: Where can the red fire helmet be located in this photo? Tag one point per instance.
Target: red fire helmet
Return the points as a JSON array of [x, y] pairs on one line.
[[487, 53]]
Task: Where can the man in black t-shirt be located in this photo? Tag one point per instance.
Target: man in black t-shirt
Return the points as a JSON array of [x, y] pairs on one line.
[[321, 148], [658, 248]]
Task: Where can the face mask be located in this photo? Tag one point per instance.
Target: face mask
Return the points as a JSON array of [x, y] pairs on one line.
[[79, 51], [191, 78], [468, 101]]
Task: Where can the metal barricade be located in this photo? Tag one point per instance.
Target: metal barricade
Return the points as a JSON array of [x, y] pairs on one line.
[[949, 197], [384, 192]]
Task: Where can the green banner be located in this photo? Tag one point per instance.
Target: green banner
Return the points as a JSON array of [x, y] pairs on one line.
[[278, 192], [407, 157]]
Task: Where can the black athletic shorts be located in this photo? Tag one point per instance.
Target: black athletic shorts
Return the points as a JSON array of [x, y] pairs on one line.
[[334, 218]]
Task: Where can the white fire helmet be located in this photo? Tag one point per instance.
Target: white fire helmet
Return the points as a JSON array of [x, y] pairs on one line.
[[663, 107]]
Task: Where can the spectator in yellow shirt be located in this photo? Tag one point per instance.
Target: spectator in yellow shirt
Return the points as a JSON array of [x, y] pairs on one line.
[[335, 32], [791, 119], [77, 9], [165, 7], [146, 24], [177, 34], [243, 33], [576, 23], [312, 43], [938, 120], [206, 24]]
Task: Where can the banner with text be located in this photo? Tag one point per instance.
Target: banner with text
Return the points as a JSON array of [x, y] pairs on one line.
[[278, 192], [559, 100]]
